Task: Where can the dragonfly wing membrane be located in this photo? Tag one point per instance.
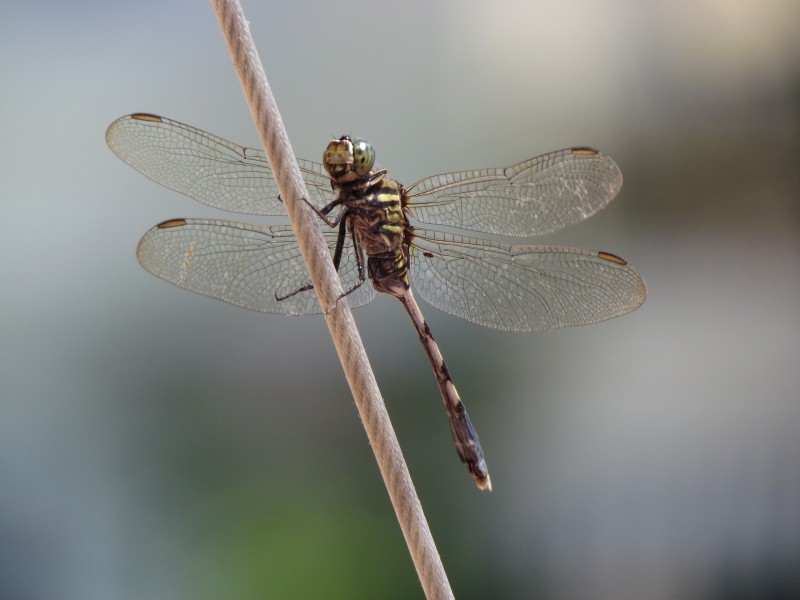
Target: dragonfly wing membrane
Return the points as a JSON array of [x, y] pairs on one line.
[[521, 288], [248, 265], [206, 167], [535, 197]]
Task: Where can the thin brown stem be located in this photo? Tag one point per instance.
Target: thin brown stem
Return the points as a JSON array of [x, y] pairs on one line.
[[337, 313]]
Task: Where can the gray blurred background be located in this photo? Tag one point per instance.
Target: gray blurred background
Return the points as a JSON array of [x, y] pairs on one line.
[[159, 444]]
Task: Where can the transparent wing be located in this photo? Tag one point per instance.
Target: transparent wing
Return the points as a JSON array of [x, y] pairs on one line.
[[521, 288], [205, 167], [245, 264], [534, 197]]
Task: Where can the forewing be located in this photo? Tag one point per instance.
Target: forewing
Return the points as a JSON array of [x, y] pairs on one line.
[[205, 167], [521, 288], [534, 197], [245, 264]]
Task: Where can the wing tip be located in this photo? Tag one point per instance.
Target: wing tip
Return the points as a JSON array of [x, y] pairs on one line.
[[584, 151], [145, 117], [169, 223], [612, 258]]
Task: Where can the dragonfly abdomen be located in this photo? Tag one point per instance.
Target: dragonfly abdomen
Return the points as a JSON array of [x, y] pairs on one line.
[[465, 437], [389, 274]]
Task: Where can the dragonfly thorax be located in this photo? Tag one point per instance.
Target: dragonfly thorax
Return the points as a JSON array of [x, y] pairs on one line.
[[347, 159]]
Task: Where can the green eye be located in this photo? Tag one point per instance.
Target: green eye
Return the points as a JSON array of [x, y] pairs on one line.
[[363, 156]]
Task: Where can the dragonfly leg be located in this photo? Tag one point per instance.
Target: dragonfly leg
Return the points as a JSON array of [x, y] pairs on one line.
[[337, 260], [323, 212], [465, 437], [358, 251], [299, 290]]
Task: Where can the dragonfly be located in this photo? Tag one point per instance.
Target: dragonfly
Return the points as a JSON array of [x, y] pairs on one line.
[[388, 238]]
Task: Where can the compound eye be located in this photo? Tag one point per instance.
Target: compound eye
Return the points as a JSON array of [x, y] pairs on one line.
[[338, 158], [363, 156]]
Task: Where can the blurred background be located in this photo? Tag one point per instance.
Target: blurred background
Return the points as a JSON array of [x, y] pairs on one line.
[[159, 444]]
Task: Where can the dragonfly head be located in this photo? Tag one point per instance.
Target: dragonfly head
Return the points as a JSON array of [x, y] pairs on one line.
[[347, 159]]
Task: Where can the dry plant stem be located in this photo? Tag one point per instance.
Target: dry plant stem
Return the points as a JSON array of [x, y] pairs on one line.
[[338, 316]]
